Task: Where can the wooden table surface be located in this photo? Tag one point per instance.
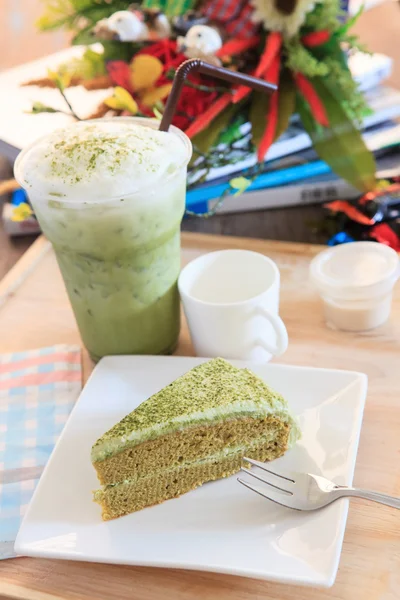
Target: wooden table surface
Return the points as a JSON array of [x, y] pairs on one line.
[[34, 312]]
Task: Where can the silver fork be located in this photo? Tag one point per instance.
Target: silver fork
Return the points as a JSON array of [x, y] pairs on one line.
[[303, 491]]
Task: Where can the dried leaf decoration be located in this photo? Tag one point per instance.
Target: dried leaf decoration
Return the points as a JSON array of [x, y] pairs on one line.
[[39, 107], [240, 184]]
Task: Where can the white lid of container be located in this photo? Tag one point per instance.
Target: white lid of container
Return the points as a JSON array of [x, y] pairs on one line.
[[355, 271]]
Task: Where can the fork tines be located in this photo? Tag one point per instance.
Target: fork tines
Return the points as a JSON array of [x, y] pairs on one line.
[[280, 480], [262, 466]]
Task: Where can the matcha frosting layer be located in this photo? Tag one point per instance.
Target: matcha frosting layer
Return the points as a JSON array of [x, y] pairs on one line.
[[213, 391]]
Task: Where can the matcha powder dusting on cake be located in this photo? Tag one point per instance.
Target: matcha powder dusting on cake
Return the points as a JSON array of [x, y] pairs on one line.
[[208, 392], [197, 429]]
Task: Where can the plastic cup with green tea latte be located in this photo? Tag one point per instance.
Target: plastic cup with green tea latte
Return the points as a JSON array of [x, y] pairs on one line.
[[110, 195]]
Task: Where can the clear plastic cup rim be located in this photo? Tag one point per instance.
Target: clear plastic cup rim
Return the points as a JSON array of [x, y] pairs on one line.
[[355, 271], [154, 123]]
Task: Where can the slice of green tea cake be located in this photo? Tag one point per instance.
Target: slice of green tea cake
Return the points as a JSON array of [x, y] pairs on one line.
[[197, 429]]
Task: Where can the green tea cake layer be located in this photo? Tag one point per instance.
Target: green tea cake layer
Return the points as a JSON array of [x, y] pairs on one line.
[[195, 430], [129, 496], [189, 445], [213, 391]]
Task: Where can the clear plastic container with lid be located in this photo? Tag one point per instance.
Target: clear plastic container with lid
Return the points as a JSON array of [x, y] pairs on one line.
[[355, 282]]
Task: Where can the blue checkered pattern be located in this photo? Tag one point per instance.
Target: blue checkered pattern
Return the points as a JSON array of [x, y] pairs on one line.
[[38, 389]]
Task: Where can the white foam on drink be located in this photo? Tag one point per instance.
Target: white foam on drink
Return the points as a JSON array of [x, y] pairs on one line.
[[101, 159]]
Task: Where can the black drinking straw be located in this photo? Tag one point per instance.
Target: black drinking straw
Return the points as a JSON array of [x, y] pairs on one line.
[[195, 64]]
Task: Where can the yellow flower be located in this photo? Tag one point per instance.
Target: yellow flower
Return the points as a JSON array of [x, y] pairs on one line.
[[122, 100], [62, 80], [145, 70], [21, 212], [274, 15]]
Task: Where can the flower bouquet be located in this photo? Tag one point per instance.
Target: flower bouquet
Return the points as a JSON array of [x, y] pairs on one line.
[[300, 45]]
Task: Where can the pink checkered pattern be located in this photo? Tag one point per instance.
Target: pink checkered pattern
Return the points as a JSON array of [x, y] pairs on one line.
[[38, 389]]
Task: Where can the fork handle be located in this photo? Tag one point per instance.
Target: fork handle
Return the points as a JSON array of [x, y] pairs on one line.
[[369, 495]]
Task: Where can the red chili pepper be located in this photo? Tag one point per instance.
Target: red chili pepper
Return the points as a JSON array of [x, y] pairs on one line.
[[271, 51], [316, 38], [236, 46], [271, 75], [208, 115], [310, 95], [269, 133]]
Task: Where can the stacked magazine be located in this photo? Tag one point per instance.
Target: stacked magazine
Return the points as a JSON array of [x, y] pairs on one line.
[[293, 173]]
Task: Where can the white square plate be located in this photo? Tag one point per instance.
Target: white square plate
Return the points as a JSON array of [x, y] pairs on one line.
[[221, 526]]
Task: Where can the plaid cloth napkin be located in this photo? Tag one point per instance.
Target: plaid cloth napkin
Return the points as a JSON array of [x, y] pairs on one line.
[[38, 389]]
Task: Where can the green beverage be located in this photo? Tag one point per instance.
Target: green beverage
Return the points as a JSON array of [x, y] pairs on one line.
[[110, 195]]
